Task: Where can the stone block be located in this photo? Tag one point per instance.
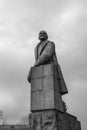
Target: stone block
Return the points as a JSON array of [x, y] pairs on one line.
[[53, 120], [45, 120], [36, 100], [45, 92], [37, 72], [36, 84], [44, 70]]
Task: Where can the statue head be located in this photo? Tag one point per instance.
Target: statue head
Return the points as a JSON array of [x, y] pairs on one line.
[[43, 36]]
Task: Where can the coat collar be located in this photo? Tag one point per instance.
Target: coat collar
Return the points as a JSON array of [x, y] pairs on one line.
[[36, 49]]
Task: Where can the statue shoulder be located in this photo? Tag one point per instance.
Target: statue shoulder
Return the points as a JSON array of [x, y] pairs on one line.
[[50, 43]]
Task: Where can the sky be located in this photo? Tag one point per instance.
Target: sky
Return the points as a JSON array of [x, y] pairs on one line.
[[20, 23]]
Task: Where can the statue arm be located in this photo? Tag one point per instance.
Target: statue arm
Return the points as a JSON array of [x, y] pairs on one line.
[[46, 54]]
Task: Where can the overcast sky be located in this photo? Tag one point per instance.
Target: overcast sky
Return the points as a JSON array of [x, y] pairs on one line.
[[66, 24]]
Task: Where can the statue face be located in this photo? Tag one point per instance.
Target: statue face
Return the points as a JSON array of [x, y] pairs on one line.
[[43, 36]]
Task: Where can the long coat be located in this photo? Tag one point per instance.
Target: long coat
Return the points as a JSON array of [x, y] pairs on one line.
[[45, 54]]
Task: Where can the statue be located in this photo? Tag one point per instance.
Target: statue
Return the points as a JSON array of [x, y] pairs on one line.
[[45, 54], [48, 110]]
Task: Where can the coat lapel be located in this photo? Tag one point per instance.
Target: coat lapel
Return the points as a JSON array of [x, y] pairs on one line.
[[41, 49], [36, 54], [43, 46], [36, 51]]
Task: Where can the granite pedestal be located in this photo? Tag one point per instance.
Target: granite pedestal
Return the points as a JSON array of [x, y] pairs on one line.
[[53, 120], [47, 108]]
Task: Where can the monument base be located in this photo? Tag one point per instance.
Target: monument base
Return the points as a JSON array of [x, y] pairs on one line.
[[53, 120]]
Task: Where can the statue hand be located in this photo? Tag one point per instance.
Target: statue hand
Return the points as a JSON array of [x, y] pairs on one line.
[[29, 75], [36, 64]]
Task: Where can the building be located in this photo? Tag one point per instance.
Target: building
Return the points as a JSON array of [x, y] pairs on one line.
[[2, 118]]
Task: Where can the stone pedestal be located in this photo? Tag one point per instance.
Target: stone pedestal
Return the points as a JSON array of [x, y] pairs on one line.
[[46, 102], [45, 91], [53, 120]]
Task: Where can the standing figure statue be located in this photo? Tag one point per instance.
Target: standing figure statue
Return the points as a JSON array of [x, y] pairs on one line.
[[45, 54], [48, 110]]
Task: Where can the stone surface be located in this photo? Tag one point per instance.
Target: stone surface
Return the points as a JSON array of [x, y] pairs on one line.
[[44, 70], [45, 92], [47, 87], [53, 120]]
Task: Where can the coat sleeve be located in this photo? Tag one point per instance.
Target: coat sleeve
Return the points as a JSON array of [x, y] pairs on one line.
[[35, 53], [46, 54]]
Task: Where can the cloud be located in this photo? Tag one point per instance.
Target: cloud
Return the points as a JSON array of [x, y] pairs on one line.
[[6, 99], [20, 23], [76, 102]]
